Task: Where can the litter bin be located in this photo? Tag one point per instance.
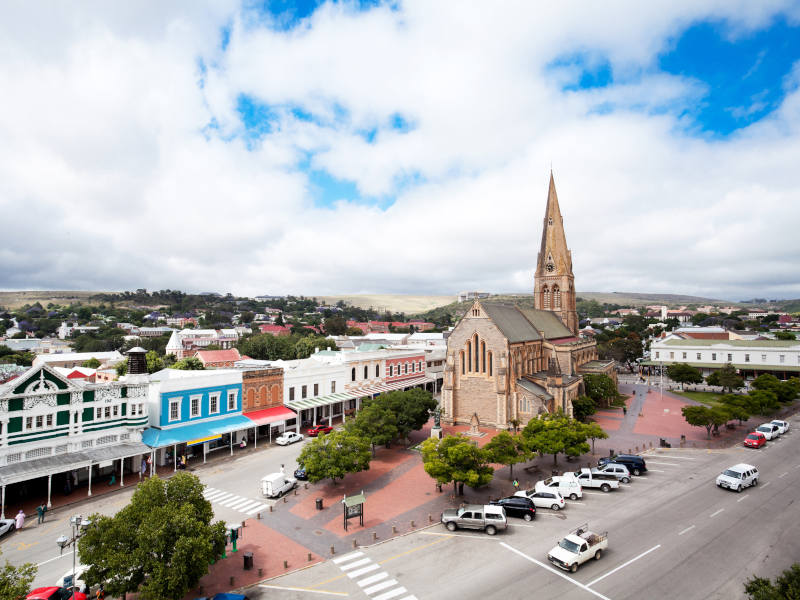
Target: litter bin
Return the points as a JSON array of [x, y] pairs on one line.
[[319, 503], [248, 561]]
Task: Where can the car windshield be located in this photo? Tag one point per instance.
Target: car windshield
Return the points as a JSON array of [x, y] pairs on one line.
[[568, 545], [460, 511], [764, 428], [733, 474], [752, 436]]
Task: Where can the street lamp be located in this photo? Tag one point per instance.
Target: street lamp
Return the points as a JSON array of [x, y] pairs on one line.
[[77, 522]]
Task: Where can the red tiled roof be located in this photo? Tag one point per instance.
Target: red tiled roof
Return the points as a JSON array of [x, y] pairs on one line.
[[218, 356]]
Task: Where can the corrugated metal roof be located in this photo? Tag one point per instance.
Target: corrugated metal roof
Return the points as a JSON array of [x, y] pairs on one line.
[[737, 343], [511, 322]]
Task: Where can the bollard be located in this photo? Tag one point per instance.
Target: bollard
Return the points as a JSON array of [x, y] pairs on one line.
[[430, 518], [305, 486], [332, 550], [260, 572], [295, 492], [374, 536], [309, 557], [412, 524], [286, 564], [637, 448], [651, 444], [285, 499], [355, 545], [629, 451], [259, 516], [270, 508], [243, 524], [394, 529]]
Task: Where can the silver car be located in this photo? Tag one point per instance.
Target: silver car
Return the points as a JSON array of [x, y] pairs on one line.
[[487, 517], [783, 426]]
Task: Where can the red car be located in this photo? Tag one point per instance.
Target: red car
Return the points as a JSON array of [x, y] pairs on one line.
[[755, 440], [317, 429], [53, 593]]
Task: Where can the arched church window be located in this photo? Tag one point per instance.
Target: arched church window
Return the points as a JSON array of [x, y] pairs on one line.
[[483, 357], [545, 297], [463, 365], [490, 364], [556, 297], [469, 357], [477, 355]]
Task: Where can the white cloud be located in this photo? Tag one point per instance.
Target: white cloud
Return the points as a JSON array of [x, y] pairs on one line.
[[111, 178]]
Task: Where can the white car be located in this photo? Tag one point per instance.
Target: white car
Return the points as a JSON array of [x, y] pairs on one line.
[[770, 430], [738, 477], [7, 526], [288, 437], [544, 499], [80, 571], [783, 426]]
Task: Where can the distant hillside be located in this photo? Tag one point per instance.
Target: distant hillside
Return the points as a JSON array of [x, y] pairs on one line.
[[791, 306], [396, 303], [635, 299], [14, 300]]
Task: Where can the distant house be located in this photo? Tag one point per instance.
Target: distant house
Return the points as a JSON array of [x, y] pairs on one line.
[[215, 359], [76, 359], [275, 329]]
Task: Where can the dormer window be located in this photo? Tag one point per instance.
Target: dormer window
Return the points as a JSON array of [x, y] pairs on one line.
[[550, 221]]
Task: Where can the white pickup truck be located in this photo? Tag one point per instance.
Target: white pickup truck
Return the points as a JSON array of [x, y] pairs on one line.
[[577, 547], [605, 483]]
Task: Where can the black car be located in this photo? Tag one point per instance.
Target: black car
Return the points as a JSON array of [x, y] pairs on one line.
[[634, 462], [300, 473], [517, 506]]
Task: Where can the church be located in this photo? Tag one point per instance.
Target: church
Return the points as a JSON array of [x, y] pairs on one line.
[[507, 363]]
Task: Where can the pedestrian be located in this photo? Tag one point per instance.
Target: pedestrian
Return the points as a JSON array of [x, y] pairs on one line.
[[515, 483], [143, 470], [624, 411], [183, 461], [101, 593], [19, 520], [39, 514]]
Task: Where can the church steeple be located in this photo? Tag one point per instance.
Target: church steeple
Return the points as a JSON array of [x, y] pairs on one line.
[[554, 283]]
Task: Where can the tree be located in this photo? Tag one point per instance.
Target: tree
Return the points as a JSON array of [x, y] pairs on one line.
[[159, 545], [555, 433], [507, 449], [762, 402], [15, 582], [737, 406], [593, 431], [683, 373], [353, 331], [335, 325], [412, 408], [600, 388], [92, 363], [786, 586], [703, 416], [582, 407], [306, 346], [785, 391], [376, 423], [726, 377], [456, 459], [121, 367], [154, 361], [334, 455], [190, 363], [785, 335]]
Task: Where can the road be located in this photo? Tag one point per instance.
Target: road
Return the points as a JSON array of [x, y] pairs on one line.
[[232, 487], [672, 533]]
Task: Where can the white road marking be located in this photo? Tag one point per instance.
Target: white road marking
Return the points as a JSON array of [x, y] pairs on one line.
[[391, 594], [297, 589], [356, 563], [221, 498], [359, 572], [231, 501], [249, 505], [49, 560], [472, 537], [671, 457], [765, 485], [653, 462], [380, 586], [714, 514], [655, 471], [554, 571], [782, 475], [743, 497], [347, 557], [256, 509], [611, 572], [241, 503], [372, 579], [687, 529]]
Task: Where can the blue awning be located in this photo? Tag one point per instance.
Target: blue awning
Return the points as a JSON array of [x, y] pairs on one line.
[[159, 438]]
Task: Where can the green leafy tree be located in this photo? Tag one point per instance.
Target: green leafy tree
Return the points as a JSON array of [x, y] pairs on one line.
[[785, 335], [703, 416], [154, 361], [683, 373], [785, 391], [121, 368], [786, 586], [555, 433], [306, 346], [593, 431], [376, 423], [265, 346], [353, 331], [737, 406], [762, 402], [600, 388], [159, 545], [506, 449], [15, 582], [411, 407], [334, 455], [335, 325], [190, 363], [726, 377], [92, 363], [582, 407], [456, 459]]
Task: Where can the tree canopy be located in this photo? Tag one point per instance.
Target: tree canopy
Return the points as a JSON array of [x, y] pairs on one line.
[[15, 582], [555, 433], [785, 391], [703, 416], [190, 363], [456, 459], [334, 455], [786, 586], [376, 423], [507, 449], [726, 377], [683, 373], [600, 388], [158, 545]]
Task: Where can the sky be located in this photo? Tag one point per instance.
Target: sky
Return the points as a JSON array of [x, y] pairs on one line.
[[399, 147]]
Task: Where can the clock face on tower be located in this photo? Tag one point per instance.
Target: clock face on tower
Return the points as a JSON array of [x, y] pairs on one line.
[[550, 267]]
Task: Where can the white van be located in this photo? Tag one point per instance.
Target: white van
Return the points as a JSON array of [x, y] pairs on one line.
[[738, 477], [275, 484], [567, 485]]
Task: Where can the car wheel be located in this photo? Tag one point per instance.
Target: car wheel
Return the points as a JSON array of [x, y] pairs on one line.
[[12, 527], [605, 487], [573, 496], [451, 526], [755, 481], [528, 517], [739, 488], [598, 555], [626, 480], [637, 472], [573, 568], [491, 529], [555, 507]]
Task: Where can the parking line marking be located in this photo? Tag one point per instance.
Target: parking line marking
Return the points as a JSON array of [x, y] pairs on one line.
[[656, 471], [297, 589], [653, 462], [714, 514], [611, 572], [472, 537], [687, 529], [51, 560], [669, 456], [554, 571], [347, 557], [782, 475], [765, 485], [743, 497]]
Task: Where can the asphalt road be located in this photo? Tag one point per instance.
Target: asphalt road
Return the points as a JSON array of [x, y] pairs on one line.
[[672, 534], [232, 487]]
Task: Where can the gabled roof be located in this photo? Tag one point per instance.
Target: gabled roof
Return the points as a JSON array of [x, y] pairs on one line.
[[511, 322], [547, 323], [534, 388], [215, 356]]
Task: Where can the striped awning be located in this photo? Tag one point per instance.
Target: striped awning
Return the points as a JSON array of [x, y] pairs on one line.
[[320, 401], [391, 386]]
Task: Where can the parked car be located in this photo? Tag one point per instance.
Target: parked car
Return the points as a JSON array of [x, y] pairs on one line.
[[7, 526], [578, 547], [635, 463], [617, 471], [487, 517], [783, 426], [603, 482], [54, 593], [80, 571], [516, 506], [567, 485], [755, 439], [275, 484], [769, 430], [544, 498], [300, 473], [317, 429], [288, 437], [225, 596], [738, 477]]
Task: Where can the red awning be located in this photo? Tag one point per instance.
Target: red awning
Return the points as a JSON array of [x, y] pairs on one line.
[[271, 415]]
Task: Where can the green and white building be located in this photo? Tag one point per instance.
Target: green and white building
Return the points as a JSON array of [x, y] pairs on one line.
[[65, 431]]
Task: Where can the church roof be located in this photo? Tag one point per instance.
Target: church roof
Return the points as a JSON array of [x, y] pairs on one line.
[[534, 388], [547, 323], [511, 322]]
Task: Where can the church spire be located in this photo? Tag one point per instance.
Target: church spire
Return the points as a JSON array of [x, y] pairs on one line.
[[554, 282]]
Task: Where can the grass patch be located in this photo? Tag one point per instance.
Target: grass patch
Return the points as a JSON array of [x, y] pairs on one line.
[[710, 399]]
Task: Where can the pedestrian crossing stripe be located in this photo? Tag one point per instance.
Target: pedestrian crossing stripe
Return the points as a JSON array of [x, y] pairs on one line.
[[225, 499], [355, 564]]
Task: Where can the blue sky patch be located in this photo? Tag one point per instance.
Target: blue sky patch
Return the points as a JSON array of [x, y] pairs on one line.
[[285, 15], [257, 118]]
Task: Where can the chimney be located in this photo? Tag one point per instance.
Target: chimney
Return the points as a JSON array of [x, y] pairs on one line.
[[137, 361]]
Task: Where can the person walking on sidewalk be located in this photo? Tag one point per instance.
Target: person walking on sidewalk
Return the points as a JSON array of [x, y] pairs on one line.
[[515, 483], [624, 411], [143, 470], [40, 510], [19, 520]]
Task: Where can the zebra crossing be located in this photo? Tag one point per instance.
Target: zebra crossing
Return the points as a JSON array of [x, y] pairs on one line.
[[373, 582], [241, 504]]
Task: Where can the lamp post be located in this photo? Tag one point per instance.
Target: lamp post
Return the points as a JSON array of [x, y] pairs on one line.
[[79, 523]]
